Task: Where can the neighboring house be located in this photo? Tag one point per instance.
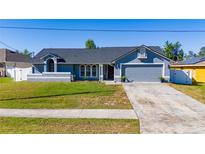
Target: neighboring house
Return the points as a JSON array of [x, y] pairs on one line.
[[195, 66], [14, 65], [138, 64]]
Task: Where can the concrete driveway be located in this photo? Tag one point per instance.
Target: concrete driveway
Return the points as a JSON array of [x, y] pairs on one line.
[[162, 109]]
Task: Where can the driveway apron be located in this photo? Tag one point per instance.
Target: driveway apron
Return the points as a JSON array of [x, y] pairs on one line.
[[162, 109]]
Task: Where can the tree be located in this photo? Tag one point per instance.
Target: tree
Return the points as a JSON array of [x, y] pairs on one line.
[[173, 51], [168, 48], [90, 44], [27, 53], [190, 54], [202, 52]]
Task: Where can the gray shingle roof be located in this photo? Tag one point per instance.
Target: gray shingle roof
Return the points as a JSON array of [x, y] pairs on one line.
[[193, 60], [103, 55]]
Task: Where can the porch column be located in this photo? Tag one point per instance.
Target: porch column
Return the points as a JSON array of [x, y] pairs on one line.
[[101, 72], [55, 65], [44, 66]]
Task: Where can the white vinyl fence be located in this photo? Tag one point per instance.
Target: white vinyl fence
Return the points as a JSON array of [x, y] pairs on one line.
[[18, 74]]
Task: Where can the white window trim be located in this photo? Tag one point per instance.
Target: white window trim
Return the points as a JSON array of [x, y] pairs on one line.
[[84, 70], [95, 71], [55, 64], [90, 71], [142, 53]]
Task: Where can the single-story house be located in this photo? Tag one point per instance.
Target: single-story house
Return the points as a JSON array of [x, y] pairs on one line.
[[139, 64], [14, 65], [196, 67]]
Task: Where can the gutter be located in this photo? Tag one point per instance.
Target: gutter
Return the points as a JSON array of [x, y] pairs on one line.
[[173, 66]]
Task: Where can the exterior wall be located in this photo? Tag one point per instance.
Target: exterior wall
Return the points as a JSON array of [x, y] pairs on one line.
[[2, 70], [73, 69], [198, 72], [65, 68], [77, 76], [132, 58], [38, 68], [2, 55]]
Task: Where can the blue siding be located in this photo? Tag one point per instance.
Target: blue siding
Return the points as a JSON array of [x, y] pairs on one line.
[[65, 68], [38, 68]]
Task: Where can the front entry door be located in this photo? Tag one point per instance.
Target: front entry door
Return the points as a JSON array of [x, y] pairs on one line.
[[50, 65], [110, 72]]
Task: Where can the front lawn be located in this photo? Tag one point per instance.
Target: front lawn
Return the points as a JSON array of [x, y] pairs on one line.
[[195, 91], [55, 95], [67, 126]]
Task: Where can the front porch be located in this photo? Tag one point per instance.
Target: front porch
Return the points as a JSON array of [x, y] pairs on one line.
[[54, 71], [106, 72]]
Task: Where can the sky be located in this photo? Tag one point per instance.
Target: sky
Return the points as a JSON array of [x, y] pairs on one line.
[[35, 40]]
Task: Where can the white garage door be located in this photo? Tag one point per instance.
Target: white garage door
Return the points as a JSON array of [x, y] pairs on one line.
[[143, 73]]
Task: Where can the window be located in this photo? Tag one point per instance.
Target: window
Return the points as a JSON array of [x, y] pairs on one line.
[[142, 53], [94, 71], [50, 65], [88, 70], [82, 70]]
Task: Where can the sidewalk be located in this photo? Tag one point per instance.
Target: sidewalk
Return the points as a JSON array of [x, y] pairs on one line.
[[70, 113]]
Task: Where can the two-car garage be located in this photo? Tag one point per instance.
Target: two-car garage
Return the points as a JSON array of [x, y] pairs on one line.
[[142, 72]]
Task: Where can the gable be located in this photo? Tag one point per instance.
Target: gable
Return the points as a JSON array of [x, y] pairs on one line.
[[49, 55], [150, 49], [133, 57]]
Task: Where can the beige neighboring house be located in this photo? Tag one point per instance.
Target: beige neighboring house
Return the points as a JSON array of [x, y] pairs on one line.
[[14, 65]]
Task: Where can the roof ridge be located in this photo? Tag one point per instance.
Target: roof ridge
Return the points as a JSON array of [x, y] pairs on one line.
[[108, 47]]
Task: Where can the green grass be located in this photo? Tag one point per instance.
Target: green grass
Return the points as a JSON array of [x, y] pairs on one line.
[[55, 95], [5, 80], [67, 126], [195, 91]]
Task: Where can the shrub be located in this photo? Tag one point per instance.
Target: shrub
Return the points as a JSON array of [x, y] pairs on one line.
[[123, 78], [161, 79]]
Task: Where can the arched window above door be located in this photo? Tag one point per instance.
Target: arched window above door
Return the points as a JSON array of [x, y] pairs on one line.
[[50, 65]]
